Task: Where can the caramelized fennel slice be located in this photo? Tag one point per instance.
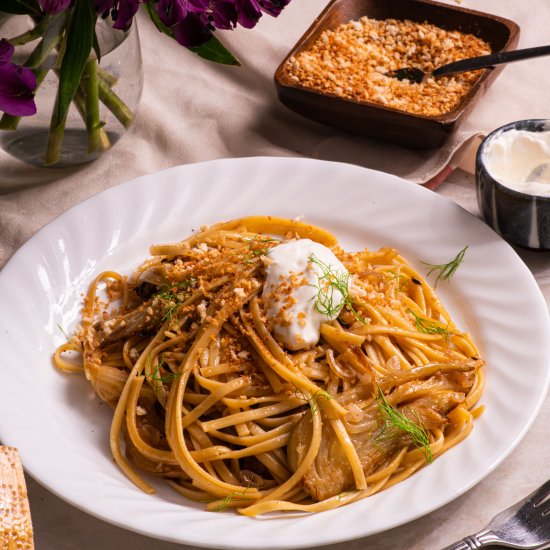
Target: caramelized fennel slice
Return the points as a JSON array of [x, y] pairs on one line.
[[375, 439]]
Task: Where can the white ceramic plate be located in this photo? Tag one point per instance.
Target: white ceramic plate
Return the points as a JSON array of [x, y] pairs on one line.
[[61, 429]]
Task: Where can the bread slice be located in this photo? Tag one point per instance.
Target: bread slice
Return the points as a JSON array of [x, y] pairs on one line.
[[15, 515]]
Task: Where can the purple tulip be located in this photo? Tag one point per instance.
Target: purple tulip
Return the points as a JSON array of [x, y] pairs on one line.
[[54, 6], [17, 84]]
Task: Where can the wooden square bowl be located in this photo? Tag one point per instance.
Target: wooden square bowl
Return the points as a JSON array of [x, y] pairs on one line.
[[371, 119]]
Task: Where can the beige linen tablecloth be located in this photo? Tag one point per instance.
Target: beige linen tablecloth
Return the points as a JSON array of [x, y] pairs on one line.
[[193, 111]]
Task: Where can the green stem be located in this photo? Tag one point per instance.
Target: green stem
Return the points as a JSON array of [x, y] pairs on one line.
[[115, 104], [36, 32], [50, 40], [9, 122], [96, 85], [55, 139], [57, 127], [91, 91], [96, 133], [109, 78], [80, 104]]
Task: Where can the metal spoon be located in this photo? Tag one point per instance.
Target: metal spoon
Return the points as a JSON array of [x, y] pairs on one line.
[[417, 75]]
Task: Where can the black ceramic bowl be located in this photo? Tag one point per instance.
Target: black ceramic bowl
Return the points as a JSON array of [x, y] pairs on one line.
[[520, 218]]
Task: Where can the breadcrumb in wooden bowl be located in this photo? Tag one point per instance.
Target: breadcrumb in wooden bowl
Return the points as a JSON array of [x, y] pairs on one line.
[[336, 73]]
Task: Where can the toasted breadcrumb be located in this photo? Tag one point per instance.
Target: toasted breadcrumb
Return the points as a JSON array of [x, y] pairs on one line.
[[352, 61]]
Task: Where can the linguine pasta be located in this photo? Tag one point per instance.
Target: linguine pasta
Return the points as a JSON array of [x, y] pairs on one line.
[[207, 396]]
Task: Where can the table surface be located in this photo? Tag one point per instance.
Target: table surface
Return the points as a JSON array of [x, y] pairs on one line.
[[60, 526]]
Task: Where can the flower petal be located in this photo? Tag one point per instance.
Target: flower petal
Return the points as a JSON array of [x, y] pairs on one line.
[[198, 6], [126, 11], [225, 15], [6, 51], [171, 12], [249, 12], [54, 6], [274, 7], [17, 85], [194, 30], [104, 7]]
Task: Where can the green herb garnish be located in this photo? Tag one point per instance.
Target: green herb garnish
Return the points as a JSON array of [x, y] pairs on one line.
[[394, 419], [173, 295], [167, 378], [446, 271], [258, 247], [224, 504], [427, 326], [64, 332], [328, 283], [313, 402], [400, 279]]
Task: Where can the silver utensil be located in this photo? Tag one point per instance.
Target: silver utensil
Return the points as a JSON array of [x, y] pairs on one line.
[[482, 62], [526, 524]]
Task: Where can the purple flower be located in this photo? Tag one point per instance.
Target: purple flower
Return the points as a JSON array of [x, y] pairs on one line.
[[273, 7], [194, 21], [122, 11], [54, 6], [104, 7], [194, 30], [249, 12], [125, 14], [17, 84], [225, 15], [172, 12]]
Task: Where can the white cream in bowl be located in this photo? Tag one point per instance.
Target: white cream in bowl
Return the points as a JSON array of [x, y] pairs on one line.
[[520, 160]]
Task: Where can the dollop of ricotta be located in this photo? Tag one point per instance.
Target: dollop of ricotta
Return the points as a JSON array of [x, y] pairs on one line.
[[520, 160], [300, 283]]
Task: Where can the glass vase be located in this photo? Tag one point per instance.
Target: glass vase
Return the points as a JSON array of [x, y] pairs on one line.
[[104, 105]]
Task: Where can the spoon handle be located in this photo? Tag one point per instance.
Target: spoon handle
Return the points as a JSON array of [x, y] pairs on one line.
[[490, 60]]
